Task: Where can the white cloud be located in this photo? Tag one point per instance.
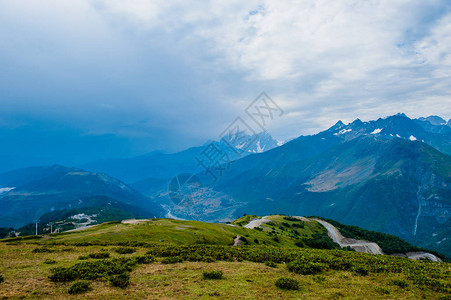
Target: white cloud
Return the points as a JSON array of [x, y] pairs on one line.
[[321, 60]]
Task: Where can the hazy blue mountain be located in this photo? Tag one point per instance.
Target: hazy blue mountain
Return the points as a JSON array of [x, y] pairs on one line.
[[62, 188], [434, 120], [154, 165], [23, 176], [164, 166]]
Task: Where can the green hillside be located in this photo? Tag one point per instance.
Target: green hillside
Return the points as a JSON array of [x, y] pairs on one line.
[[186, 232], [172, 259]]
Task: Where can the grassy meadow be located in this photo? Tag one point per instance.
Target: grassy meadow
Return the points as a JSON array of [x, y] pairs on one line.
[[167, 259]]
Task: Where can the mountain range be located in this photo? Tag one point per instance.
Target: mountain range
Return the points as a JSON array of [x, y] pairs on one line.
[[158, 165], [386, 175], [391, 175]]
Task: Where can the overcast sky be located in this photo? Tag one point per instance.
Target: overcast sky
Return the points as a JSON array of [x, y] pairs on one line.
[[169, 74]]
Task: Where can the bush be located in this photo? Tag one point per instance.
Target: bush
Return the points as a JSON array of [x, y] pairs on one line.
[[79, 287], [362, 271], [399, 282], [212, 274], [125, 250], [1, 278], [300, 244], [271, 264], [321, 241], [61, 274], [50, 261], [89, 270], [382, 290], [171, 260], [293, 219], [99, 255], [43, 250], [121, 281], [144, 259], [306, 268], [319, 278], [286, 283], [244, 240]]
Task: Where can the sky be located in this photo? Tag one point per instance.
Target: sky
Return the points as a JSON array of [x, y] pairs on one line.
[[88, 79]]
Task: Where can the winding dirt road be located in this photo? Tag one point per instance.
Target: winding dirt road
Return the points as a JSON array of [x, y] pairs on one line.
[[257, 222], [357, 245]]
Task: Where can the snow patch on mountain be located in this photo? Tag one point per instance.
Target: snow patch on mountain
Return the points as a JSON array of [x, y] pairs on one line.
[[6, 189], [343, 131], [376, 131]]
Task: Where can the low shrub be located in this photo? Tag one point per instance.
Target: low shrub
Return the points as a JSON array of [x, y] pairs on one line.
[[89, 270], [1, 278], [298, 225], [79, 287], [244, 240], [399, 282], [212, 275], [43, 250], [362, 271], [61, 274], [286, 283], [144, 259], [171, 260], [121, 280], [306, 268], [319, 279], [300, 244], [321, 241], [50, 261], [271, 264], [293, 219], [382, 290], [125, 250], [99, 255]]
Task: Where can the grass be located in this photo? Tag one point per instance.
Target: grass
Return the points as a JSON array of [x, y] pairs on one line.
[[179, 232], [244, 280], [332, 274]]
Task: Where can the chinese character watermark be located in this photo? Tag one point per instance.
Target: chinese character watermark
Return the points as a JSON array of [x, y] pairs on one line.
[[235, 141]]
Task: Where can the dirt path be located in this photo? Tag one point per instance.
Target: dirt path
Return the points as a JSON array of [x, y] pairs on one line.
[[357, 245], [80, 228], [134, 221], [257, 223], [237, 241], [422, 255]]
